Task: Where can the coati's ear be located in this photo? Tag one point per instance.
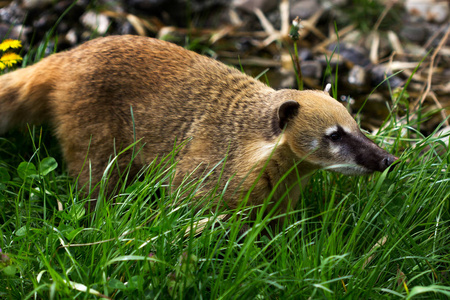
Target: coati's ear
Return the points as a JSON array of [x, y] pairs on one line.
[[287, 111]]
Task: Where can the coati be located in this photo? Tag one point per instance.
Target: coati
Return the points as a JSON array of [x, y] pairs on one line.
[[87, 94]]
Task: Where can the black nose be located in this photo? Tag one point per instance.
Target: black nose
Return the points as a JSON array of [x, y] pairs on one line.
[[388, 161]]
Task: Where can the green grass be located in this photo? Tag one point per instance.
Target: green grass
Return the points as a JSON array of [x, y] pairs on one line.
[[380, 236], [383, 236]]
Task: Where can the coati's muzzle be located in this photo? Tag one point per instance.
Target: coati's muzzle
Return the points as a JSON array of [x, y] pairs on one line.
[[371, 157], [388, 161], [381, 162], [357, 154]]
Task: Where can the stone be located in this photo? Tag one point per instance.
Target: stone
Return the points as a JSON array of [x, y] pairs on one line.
[[304, 9], [35, 4], [311, 68], [357, 76], [352, 53], [97, 22], [12, 14], [379, 74], [251, 5], [429, 10], [414, 32]]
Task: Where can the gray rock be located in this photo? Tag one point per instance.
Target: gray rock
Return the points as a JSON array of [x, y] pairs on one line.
[[251, 5], [304, 9], [357, 76], [12, 14], [378, 74], [414, 33], [35, 4], [311, 68], [71, 37], [305, 54], [17, 32], [97, 22], [352, 53], [429, 10]]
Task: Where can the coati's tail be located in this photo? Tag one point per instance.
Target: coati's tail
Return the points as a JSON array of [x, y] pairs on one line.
[[24, 96]]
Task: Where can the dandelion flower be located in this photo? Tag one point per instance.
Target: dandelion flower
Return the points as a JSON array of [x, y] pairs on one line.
[[8, 43], [2, 66], [10, 59]]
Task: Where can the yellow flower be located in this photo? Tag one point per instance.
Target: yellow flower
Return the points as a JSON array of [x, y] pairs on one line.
[[9, 59], [8, 43], [2, 66]]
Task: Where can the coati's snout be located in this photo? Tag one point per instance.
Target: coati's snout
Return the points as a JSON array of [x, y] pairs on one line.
[[320, 131], [371, 156], [359, 155]]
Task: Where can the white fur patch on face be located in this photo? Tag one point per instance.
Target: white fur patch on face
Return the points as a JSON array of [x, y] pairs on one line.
[[335, 149], [346, 129], [330, 130], [348, 169], [314, 144]]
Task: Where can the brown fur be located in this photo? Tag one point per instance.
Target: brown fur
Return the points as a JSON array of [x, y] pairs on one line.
[[175, 94]]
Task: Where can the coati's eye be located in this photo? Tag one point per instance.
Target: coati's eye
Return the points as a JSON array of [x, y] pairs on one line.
[[335, 133], [335, 136]]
